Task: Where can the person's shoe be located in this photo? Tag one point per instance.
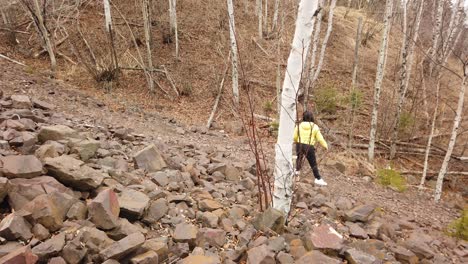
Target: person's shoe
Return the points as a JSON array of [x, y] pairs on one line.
[[296, 172], [320, 182]]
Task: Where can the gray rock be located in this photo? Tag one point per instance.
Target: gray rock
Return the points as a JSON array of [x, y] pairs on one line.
[[74, 173], [18, 255], [57, 260], [284, 258], [123, 247], [40, 232], [133, 203], [21, 101], [78, 211], [104, 210], [354, 256], [46, 151], [149, 257], [42, 105], [209, 205], [56, 133], [124, 229], [270, 219], [156, 211], [323, 237], [157, 245], [50, 247], [200, 259], [356, 231], [212, 237], [86, 149], [14, 226], [185, 233], [27, 166], [260, 255], [404, 255], [149, 159], [344, 204], [360, 213], [74, 252], [316, 256]]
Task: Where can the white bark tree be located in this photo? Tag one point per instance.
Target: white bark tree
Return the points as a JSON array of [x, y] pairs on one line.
[[379, 78], [437, 31], [283, 192], [275, 15], [145, 5], [110, 32], [232, 34], [453, 137], [260, 18], [353, 89], [407, 53], [173, 24]]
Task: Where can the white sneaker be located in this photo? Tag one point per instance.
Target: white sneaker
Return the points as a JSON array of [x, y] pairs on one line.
[[296, 172], [320, 182]]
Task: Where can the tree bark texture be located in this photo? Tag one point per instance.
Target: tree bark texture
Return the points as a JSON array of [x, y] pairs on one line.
[[235, 59]]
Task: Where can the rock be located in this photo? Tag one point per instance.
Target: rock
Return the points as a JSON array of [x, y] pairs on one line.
[[404, 255], [277, 244], [74, 251], [78, 211], [9, 247], [323, 237], [56, 133], [72, 172], [232, 173], [86, 149], [270, 219], [21, 255], [209, 205], [50, 247], [149, 159], [185, 233], [200, 259], [212, 237], [284, 258], [42, 105], [40, 232], [354, 256], [158, 246], [297, 249], [160, 178], [94, 239], [124, 229], [104, 210], [344, 204], [315, 256], [360, 213], [123, 247], [419, 247], [234, 127], [356, 231], [149, 257], [156, 211], [133, 203], [260, 255], [248, 183], [46, 211], [57, 260], [21, 101], [210, 219], [3, 188], [15, 227], [27, 166], [46, 151]]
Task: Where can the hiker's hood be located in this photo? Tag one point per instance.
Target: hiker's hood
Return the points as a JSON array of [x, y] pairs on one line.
[[306, 125]]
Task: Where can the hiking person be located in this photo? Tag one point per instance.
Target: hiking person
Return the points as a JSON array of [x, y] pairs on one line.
[[306, 134]]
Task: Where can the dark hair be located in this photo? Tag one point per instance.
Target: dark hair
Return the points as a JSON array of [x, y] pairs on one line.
[[308, 117]]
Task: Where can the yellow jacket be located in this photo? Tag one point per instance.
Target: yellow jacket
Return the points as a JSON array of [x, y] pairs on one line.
[[309, 133]]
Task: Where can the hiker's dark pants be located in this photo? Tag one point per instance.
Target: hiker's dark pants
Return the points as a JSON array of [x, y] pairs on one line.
[[309, 152]]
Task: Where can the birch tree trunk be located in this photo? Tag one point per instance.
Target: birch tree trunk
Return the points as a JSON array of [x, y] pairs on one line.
[[453, 137], [232, 34], [145, 5], [325, 42], [353, 82], [407, 53], [275, 16], [260, 18], [173, 24], [315, 43], [437, 31], [110, 32], [265, 17], [454, 29], [283, 192], [379, 78]]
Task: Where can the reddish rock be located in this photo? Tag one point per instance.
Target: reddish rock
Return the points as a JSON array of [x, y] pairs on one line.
[[260, 255], [209, 205], [149, 257], [324, 237], [200, 259], [15, 227], [27, 166], [315, 256], [22, 255], [42, 105], [50, 247], [213, 237], [185, 233], [133, 203], [360, 213], [45, 210], [405, 256], [104, 210], [123, 247]]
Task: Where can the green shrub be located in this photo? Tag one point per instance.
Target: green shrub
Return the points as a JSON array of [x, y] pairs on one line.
[[392, 179], [355, 98], [268, 107], [405, 123], [273, 129], [326, 99], [459, 227]]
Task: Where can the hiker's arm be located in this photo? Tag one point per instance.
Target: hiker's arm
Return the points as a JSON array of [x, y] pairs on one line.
[[321, 140], [296, 134]]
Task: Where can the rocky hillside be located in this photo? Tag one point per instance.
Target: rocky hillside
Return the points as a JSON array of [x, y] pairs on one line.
[[76, 189]]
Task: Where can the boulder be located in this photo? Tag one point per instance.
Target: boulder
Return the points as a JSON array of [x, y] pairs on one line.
[[47, 211], [185, 233], [23, 166], [104, 210], [86, 149], [212, 237], [50, 247], [157, 245], [260, 255], [232, 173], [344, 204], [149, 257], [270, 219], [78, 211], [14, 226], [323, 237], [209, 205], [316, 256], [149, 159], [360, 213], [160, 178], [42, 105], [57, 260], [210, 219], [354, 256], [419, 247], [46, 151], [72, 172], [56, 133], [200, 259], [124, 229], [133, 203], [21, 255], [356, 231], [404, 255], [21, 101], [8, 247], [40, 232], [285, 258], [123, 247], [74, 251], [156, 211]]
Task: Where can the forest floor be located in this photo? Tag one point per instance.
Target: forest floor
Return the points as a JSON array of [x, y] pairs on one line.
[[82, 106]]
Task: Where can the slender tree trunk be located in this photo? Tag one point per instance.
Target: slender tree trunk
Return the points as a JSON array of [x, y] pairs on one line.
[[324, 42], [260, 18], [407, 53], [110, 33], [453, 137], [315, 44], [437, 31], [431, 134], [275, 16], [147, 28], [283, 192], [353, 83], [379, 78], [265, 17], [235, 71], [454, 29], [173, 24], [348, 8]]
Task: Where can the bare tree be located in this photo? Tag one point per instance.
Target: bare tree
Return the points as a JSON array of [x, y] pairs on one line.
[[437, 30], [283, 192], [110, 33], [275, 15], [145, 4], [353, 88], [379, 78], [235, 71], [37, 14], [173, 24], [260, 18]]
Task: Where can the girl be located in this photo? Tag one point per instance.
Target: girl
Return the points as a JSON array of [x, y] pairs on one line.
[[305, 137]]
